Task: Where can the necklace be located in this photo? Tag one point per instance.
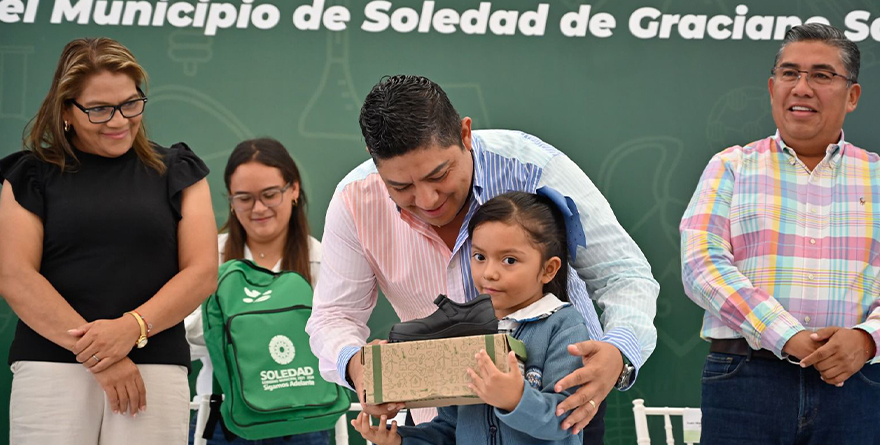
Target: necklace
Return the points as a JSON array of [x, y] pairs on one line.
[[262, 255]]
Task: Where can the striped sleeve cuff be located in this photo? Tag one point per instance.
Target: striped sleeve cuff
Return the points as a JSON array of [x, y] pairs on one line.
[[342, 360], [625, 340], [872, 327]]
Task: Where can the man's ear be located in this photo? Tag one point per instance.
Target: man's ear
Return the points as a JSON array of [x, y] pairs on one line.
[[550, 269], [466, 133], [852, 97]]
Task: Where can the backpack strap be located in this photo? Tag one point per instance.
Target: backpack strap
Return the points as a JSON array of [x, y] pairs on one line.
[[214, 415]]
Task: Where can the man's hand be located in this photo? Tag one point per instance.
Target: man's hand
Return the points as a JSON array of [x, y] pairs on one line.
[[502, 390], [379, 435], [801, 345], [355, 372], [844, 353], [603, 364]]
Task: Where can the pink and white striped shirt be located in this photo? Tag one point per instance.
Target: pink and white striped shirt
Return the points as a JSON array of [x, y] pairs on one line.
[[370, 244]]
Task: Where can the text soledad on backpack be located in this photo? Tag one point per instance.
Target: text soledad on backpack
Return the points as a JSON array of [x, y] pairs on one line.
[[255, 331]]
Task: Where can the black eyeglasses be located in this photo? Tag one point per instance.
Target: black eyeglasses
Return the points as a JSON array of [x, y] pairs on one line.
[[103, 113], [814, 77], [271, 197]]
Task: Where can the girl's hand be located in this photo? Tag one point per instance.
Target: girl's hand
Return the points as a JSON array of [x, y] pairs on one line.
[[379, 435], [499, 389], [108, 340]]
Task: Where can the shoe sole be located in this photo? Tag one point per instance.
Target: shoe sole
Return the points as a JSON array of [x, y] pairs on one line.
[[459, 330]]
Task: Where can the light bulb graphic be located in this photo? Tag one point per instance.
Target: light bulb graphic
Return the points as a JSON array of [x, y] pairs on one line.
[[190, 48], [13, 80]]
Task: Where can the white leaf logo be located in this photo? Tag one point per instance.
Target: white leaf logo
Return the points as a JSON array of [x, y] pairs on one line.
[[254, 296], [266, 295]]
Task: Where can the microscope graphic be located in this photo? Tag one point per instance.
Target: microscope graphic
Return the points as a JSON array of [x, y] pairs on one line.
[[190, 48], [332, 112]]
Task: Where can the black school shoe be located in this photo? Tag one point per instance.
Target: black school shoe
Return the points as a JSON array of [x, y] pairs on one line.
[[476, 317]]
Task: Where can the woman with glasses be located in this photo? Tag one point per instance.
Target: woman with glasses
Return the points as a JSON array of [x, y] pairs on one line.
[[107, 243], [266, 224]]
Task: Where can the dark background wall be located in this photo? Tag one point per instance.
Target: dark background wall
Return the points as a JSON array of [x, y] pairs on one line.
[[640, 116]]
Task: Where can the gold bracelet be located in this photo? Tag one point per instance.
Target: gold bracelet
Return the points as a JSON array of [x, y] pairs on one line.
[[142, 340]]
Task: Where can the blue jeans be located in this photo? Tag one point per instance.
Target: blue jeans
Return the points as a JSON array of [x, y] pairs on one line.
[[754, 401], [316, 438]]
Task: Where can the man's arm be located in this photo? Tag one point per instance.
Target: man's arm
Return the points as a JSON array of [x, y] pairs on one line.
[[618, 277], [344, 297], [708, 273], [616, 273]]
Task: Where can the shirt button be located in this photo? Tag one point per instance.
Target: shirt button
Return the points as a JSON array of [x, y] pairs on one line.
[[812, 210], [810, 276], [492, 429], [807, 319], [812, 241]]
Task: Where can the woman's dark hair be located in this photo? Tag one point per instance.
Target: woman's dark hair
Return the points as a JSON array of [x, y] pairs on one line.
[[271, 153], [541, 220]]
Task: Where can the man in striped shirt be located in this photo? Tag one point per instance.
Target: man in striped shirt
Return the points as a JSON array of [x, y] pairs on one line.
[[399, 222], [781, 247]]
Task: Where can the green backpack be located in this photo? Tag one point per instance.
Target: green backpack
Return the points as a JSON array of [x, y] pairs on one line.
[[255, 332]]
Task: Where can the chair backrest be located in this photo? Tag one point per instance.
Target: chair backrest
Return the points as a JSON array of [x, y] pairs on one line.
[[201, 404], [641, 413]]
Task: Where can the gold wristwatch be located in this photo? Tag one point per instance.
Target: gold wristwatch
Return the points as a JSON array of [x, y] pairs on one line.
[[142, 340]]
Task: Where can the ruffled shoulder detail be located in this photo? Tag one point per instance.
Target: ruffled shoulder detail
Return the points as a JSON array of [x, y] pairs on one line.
[[184, 169], [25, 171]]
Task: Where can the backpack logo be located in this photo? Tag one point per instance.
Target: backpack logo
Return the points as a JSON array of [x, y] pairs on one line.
[[281, 349], [254, 296]]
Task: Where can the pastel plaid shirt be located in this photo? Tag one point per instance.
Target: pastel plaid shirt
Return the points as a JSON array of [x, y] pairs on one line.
[[770, 249]]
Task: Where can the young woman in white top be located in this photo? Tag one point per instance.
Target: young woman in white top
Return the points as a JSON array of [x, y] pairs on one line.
[[267, 224]]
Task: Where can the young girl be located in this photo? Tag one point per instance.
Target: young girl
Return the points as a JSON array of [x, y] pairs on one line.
[[518, 256]]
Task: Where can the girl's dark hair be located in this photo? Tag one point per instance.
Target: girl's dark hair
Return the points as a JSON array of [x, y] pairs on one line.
[[271, 153], [541, 219]]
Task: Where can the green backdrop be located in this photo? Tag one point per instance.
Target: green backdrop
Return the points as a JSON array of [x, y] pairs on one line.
[[640, 116]]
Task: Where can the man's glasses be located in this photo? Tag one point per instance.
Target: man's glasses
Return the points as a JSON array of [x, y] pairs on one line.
[[103, 113], [271, 197], [814, 77]]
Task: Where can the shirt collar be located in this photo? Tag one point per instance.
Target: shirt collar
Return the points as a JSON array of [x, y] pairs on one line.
[[833, 153], [542, 308], [479, 180]]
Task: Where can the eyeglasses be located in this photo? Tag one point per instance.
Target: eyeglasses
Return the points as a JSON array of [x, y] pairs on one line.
[[814, 77], [271, 197], [103, 113]]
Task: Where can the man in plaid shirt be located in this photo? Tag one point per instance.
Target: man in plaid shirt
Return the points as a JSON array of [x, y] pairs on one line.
[[781, 247]]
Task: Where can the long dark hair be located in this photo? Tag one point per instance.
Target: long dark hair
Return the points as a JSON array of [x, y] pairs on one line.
[[543, 222], [271, 153]]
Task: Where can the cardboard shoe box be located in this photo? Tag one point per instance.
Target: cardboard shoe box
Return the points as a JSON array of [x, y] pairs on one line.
[[431, 372]]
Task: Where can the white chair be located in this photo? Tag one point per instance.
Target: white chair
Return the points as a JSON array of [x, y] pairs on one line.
[[641, 413], [202, 405]]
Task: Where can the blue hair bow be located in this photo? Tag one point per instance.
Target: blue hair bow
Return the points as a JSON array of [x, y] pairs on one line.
[[574, 230]]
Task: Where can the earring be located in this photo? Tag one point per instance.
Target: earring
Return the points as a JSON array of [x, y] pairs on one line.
[[294, 202], [232, 209], [66, 126]]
